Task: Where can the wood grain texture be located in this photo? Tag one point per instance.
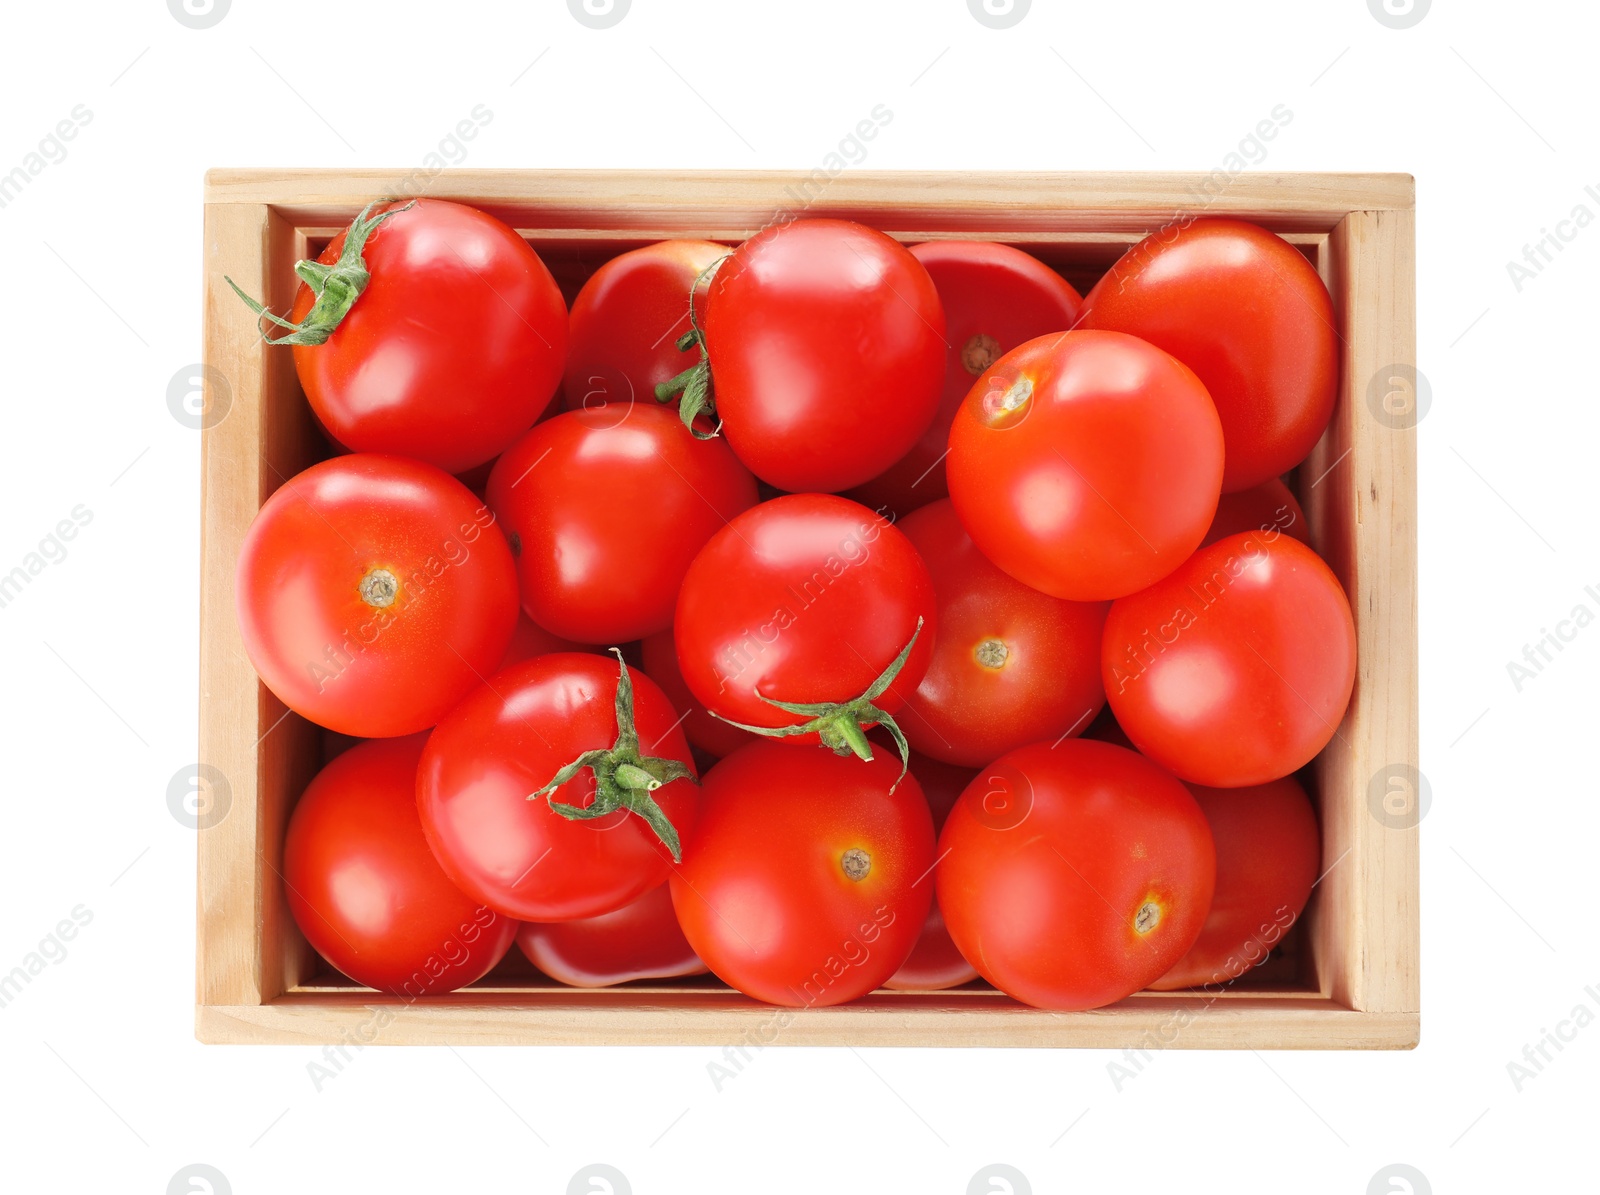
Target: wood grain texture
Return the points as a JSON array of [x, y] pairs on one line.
[[258, 981], [742, 201], [1361, 504], [1138, 1023]]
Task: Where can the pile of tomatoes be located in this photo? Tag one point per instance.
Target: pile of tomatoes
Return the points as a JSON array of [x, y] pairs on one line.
[[822, 613]]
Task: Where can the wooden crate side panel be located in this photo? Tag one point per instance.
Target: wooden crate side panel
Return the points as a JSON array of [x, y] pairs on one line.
[[718, 1020], [1362, 508], [741, 201], [228, 957]]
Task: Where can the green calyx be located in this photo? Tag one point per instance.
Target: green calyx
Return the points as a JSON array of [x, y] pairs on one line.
[[624, 777], [336, 287], [692, 387], [840, 724]]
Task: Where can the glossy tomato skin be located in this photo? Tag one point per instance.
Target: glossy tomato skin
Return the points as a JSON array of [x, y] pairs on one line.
[[1248, 313], [366, 891], [1010, 666], [995, 297], [641, 940], [1270, 506], [800, 884], [713, 735], [934, 962], [826, 342], [806, 598], [626, 322], [605, 509], [373, 592], [509, 739], [530, 640], [1074, 876], [1087, 465], [1268, 856], [1237, 668], [452, 350]]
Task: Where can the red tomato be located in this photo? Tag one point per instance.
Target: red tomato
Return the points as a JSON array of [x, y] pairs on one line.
[[1237, 668], [366, 891], [660, 655], [551, 856], [530, 640], [452, 348], [604, 509], [994, 298], [1265, 507], [1086, 464], [626, 322], [1268, 855], [934, 962], [826, 351], [808, 877], [641, 940], [373, 592], [1247, 312], [1073, 876], [809, 598], [1011, 665]]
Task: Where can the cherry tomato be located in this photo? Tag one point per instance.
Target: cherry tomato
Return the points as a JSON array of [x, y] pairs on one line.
[[373, 592], [1268, 506], [605, 508], [934, 962], [641, 940], [1011, 665], [626, 322], [1073, 876], [541, 854], [1268, 855], [1237, 668], [452, 349], [366, 891], [1086, 464], [809, 598], [713, 735], [1248, 313], [808, 877], [826, 353], [995, 297]]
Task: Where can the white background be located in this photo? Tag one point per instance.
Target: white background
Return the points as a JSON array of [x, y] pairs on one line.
[[1489, 105]]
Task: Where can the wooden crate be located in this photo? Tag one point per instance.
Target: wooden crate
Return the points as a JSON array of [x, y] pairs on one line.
[[1349, 978]]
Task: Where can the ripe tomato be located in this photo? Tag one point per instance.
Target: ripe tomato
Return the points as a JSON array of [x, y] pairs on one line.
[[1011, 665], [994, 298], [542, 853], [808, 877], [1237, 668], [1267, 859], [1265, 507], [813, 599], [530, 640], [1073, 876], [605, 508], [934, 962], [373, 592], [641, 940], [366, 891], [1086, 464], [626, 322], [427, 329], [825, 343], [660, 655], [1246, 311]]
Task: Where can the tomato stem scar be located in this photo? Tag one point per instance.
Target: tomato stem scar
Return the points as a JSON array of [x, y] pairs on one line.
[[1148, 917], [379, 588], [979, 353], [991, 653], [856, 863]]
